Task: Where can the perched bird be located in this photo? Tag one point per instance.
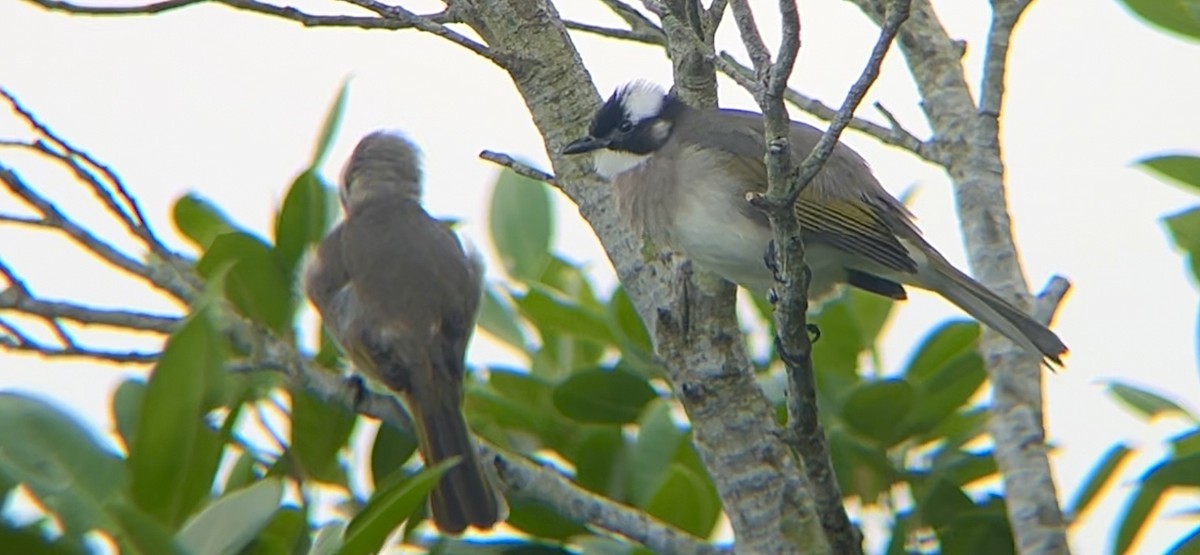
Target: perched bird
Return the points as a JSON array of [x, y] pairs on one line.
[[399, 294], [681, 176]]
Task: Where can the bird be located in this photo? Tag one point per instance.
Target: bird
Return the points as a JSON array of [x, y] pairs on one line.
[[400, 295], [681, 176]]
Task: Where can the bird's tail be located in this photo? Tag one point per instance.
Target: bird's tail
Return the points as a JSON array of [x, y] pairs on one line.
[[463, 497], [993, 311]]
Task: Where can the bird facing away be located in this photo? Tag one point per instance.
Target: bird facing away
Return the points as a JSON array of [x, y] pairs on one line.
[[681, 176], [399, 294]]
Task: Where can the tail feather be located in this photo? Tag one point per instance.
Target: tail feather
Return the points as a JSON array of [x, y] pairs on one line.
[[995, 312], [463, 497]]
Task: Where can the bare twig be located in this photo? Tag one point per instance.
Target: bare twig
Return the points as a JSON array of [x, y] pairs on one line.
[[623, 34], [285, 12], [18, 341], [768, 85], [519, 167], [130, 214], [13, 299]]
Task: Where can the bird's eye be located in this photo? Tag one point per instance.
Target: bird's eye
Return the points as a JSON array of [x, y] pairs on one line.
[[626, 126]]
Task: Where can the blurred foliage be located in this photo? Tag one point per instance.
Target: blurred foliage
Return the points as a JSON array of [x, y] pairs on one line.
[[1178, 471], [202, 466]]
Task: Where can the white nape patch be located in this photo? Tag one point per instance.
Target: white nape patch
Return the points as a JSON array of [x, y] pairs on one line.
[[642, 100], [611, 163]]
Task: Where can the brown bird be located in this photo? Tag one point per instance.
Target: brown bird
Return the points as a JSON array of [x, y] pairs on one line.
[[399, 294], [681, 176]]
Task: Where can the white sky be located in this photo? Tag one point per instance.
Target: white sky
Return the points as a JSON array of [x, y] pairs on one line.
[[227, 104]]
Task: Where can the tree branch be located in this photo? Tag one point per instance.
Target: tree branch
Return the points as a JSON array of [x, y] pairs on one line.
[[270, 352], [968, 138], [520, 168]]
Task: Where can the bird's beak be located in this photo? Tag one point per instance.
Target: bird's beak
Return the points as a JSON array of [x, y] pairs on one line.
[[586, 144]]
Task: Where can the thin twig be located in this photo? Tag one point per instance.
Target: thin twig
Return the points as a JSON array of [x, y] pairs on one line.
[[432, 25], [519, 167], [285, 12], [14, 299]]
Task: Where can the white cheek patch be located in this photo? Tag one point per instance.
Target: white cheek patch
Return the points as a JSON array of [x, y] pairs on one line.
[[642, 100], [611, 163]]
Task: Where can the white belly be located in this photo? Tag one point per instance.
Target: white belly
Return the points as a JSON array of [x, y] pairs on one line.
[[732, 246]]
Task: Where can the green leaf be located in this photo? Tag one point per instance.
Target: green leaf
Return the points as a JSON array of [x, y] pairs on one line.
[[941, 502], [521, 221], [497, 318], [1098, 479], [287, 533], [126, 406], [1145, 403], [836, 355], [595, 452], [629, 324], [1175, 472], [256, 282], [512, 410], [231, 522], [200, 220], [681, 500], [942, 346], [392, 448], [651, 455], [61, 463], [1184, 228], [320, 431], [1188, 545], [301, 220], [961, 467], [550, 311], [542, 521], [1177, 167], [946, 391], [30, 539], [141, 534], [870, 313], [602, 396], [1181, 17], [877, 409], [862, 469], [333, 119], [174, 455], [388, 508], [242, 473]]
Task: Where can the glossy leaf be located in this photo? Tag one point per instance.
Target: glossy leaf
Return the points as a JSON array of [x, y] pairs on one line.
[[1184, 227], [497, 318], [1188, 545], [942, 346], [242, 473], [632, 329], [520, 221], [126, 406], [60, 461], [548, 311], [388, 508], [140, 534], [174, 455], [602, 396], [301, 220], [320, 430], [1098, 479], [200, 220], [256, 282], [1175, 472], [232, 521], [870, 313], [961, 467], [946, 390], [1181, 17], [333, 119], [1180, 168], [862, 469], [285, 534], [1144, 402], [878, 409], [596, 453], [392, 448], [680, 500], [652, 453]]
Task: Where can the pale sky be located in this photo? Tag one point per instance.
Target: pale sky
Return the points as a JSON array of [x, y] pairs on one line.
[[227, 104]]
